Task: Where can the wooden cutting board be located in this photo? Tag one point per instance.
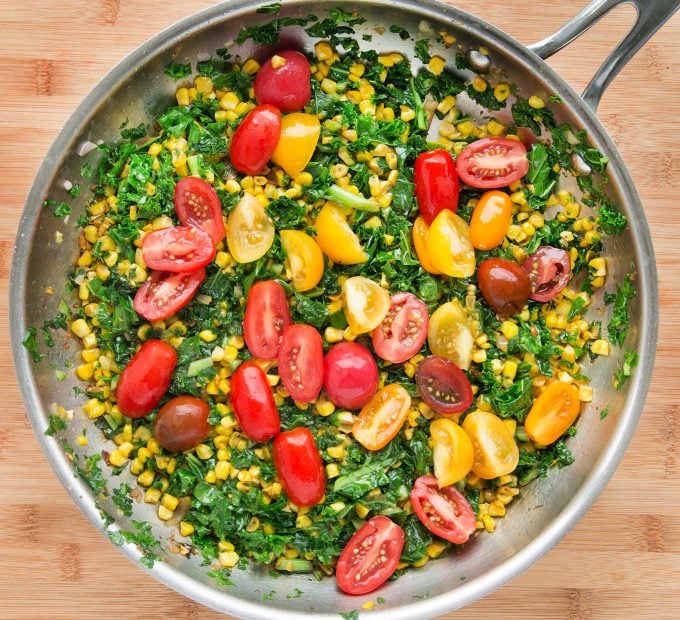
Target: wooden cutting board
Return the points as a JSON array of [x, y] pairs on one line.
[[621, 561]]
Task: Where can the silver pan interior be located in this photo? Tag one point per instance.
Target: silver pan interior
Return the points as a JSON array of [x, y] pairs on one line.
[[138, 89]]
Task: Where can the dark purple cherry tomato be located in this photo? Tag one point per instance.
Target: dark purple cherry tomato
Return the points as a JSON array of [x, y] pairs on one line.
[[182, 423], [504, 285], [549, 270], [284, 81], [443, 386]]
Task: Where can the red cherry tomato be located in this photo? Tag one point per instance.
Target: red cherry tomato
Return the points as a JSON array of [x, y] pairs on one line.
[[504, 285], [165, 293], [443, 386], [266, 317], [253, 403], [436, 182], [182, 423], [299, 467], [404, 329], [370, 557], [549, 270], [301, 362], [492, 162], [198, 205], [350, 375], [255, 139], [445, 512], [286, 86], [178, 249], [146, 378]]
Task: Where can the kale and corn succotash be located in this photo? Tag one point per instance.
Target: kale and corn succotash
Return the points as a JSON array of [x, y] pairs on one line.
[[325, 315]]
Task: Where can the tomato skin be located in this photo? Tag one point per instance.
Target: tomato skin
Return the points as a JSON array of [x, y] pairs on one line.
[[504, 285], [303, 258], [266, 317], [255, 139], [250, 230], [436, 184], [287, 87], [549, 270], [164, 293], [350, 375], [363, 555], [382, 417], [491, 163], [443, 386], [253, 403], [490, 220], [182, 423], [452, 452], [445, 512], [146, 378], [449, 334], [197, 204], [299, 467], [178, 249], [302, 349], [420, 233], [552, 413], [496, 452], [336, 238], [299, 136], [403, 331], [449, 247]]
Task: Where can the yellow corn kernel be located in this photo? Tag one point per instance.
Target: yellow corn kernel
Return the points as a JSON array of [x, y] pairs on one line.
[[323, 50], [509, 329], [210, 477], [435, 549], [80, 328], [170, 501], [222, 470], [85, 372], [336, 452], [509, 369], [182, 96], [185, 528], [82, 440], [304, 179], [436, 65], [489, 523], [117, 458], [152, 496], [466, 128], [495, 128], [536, 102], [446, 104], [600, 347], [479, 84], [366, 106], [407, 114], [528, 229], [332, 470], [229, 559], [332, 334], [203, 451], [250, 66], [421, 562], [501, 92], [328, 86], [496, 509], [203, 84], [598, 266], [277, 61], [585, 393], [94, 408]]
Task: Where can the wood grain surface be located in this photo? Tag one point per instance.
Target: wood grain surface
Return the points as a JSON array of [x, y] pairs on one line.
[[621, 561]]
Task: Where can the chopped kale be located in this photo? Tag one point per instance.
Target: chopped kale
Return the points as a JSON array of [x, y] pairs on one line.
[[617, 328], [31, 344], [121, 498], [611, 220], [402, 32], [307, 310], [526, 116], [177, 71], [540, 174], [133, 133], [221, 576], [422, 51], [621, 376], [269, 33], [55, 425], [271, 9], [92, 474]]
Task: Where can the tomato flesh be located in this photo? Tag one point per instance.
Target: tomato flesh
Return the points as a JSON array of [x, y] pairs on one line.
[[443, 386], [549, 270], [436, 184], [445, 512], [452, 452], [350, 375], [266, 317], [449, 247], [301, 362], [552, 413], [420, 233], [496, 453], [164, 293], [299, 136], [303, 258], [403, 331], [178, 249], [182, 423], [449, 334], [365, 302], [197, 204], [504, 285], [284, 81], [253, 403], [490, 220], [382, 417], [299, 467], [370, 557], [146, 379], [491, 163], [255, 139], [250, 230]]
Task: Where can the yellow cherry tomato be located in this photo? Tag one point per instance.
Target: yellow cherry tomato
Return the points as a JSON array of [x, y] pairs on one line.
[[552, 413], [448, 245], [452, 452], [299, 136], [496, 452], [366, 303], [250, 231], [490, 220], [420, 233], [449, 334], [382, 417], [303, 258], [335, 237]]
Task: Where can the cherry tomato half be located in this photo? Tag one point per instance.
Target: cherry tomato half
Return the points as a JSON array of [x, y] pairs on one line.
[[303, 258], [365, 303], [255, 139], [336, 238], [284, 81], [452, 451], [449, 247], [266, 317], [299, 136], [445, 512], [198, 205], [299, 467], [146, 378], [382, 417], [182, 423], [496, 453], [253, 403], [436, 184], [549, 270], [492, 162], [164, 293], [552, 413], [404, 329], [250, 230], [443, 386], [504, 285], [449, 334], [350, 375], [370, 557], [490, 220], [421, 232], [301, 362], [178, 249]]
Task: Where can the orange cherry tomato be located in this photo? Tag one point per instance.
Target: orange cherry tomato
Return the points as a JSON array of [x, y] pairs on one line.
[[299, 136], [383, 416], [250, 231], [420, 232], [448, 245], [553, 412], [452, 452], [336, 238], [303, 258], [490, 220], [496, 453]]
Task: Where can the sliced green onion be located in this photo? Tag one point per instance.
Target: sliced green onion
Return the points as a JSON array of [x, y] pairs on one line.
[[194, 166], [294, 565], [353, 201], [421, 119], [198, 366]]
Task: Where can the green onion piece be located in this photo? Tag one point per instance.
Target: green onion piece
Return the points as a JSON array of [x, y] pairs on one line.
[[421, 119], [194, 167], [198, 366], [353, 201], [295, 565]]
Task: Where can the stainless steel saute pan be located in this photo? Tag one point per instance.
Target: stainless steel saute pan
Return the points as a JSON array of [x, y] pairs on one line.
[[138, 89]]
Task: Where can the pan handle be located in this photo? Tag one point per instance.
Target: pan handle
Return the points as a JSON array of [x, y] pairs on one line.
[[651, 15]]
